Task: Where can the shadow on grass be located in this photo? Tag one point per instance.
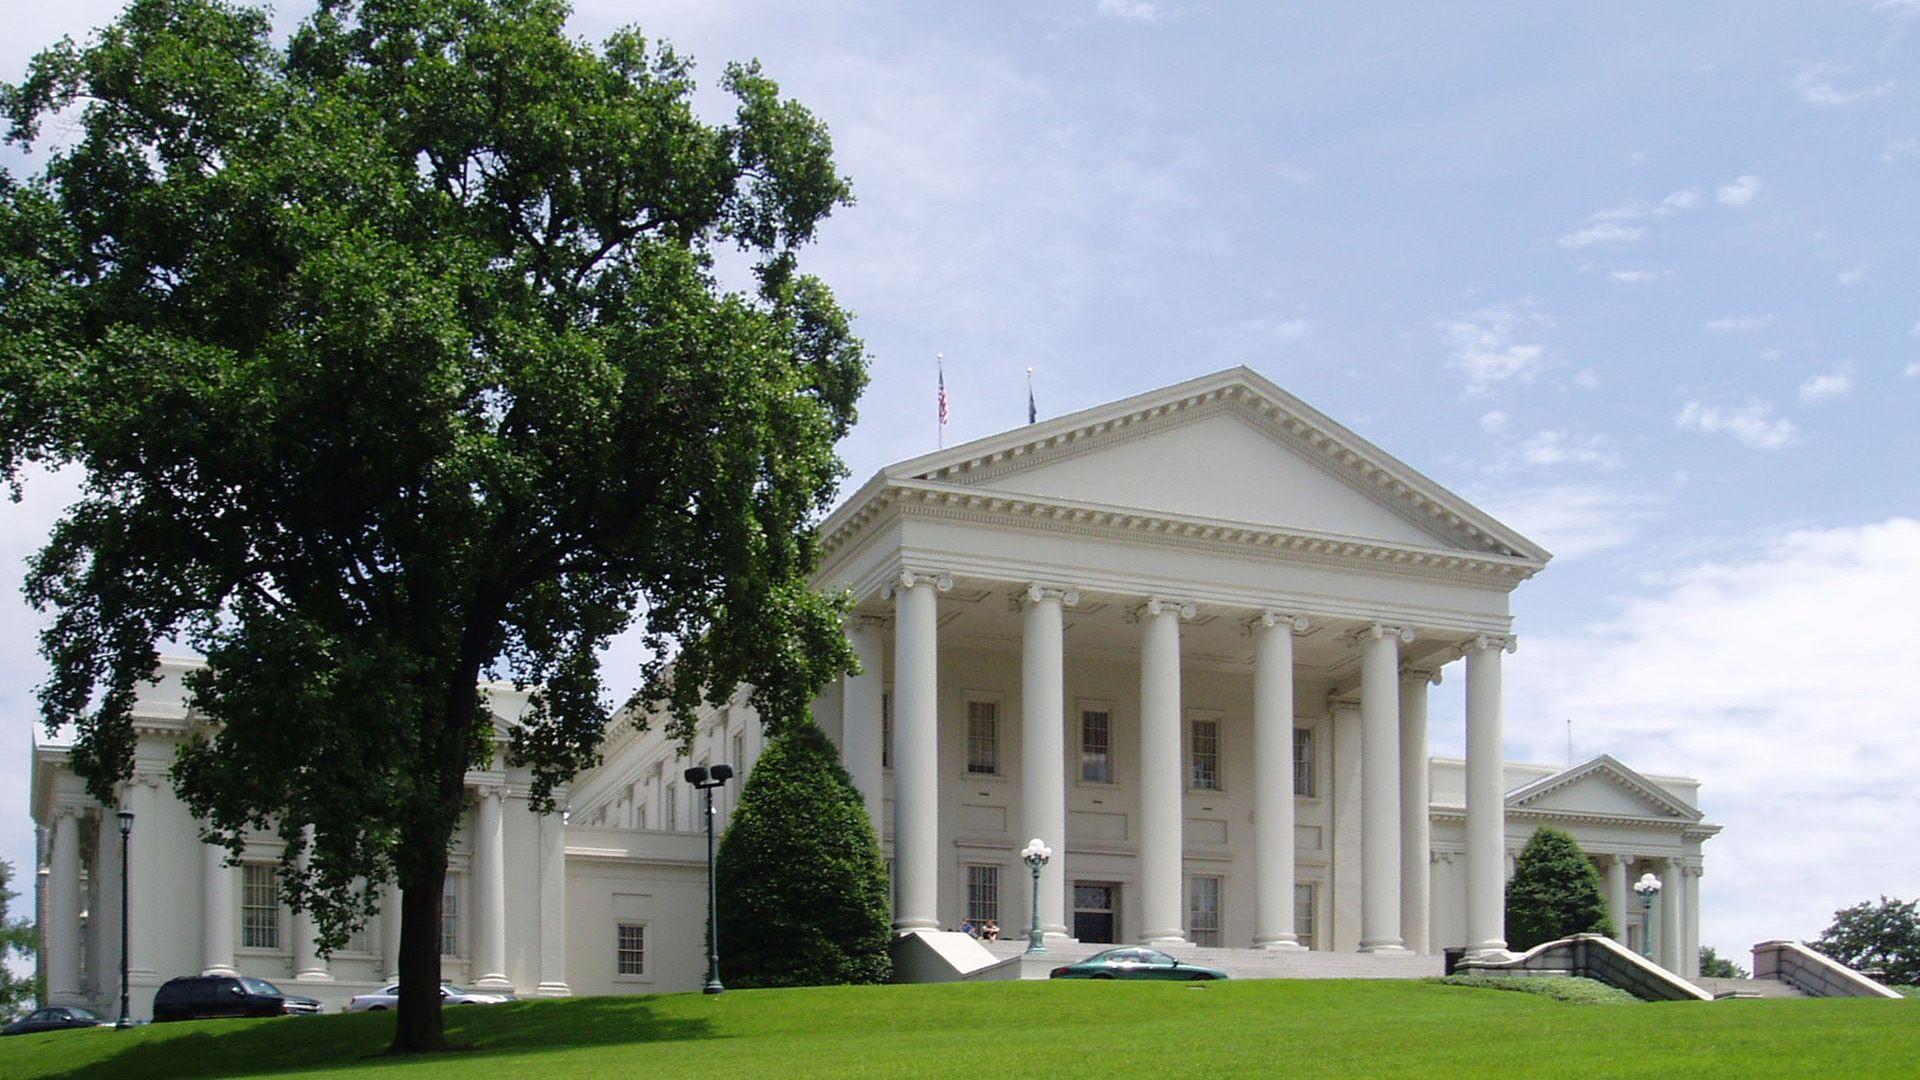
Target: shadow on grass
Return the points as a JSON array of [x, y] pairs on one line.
[[359, 1041]]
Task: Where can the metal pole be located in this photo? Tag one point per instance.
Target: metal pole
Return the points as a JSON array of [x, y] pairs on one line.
[[126, 1017], [1646, 925], [713, 908], [1036, 941]]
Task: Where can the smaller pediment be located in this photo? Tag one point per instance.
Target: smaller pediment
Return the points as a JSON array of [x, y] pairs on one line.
[[1603, 786]]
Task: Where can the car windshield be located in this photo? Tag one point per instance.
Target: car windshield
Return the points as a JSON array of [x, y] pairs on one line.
[[261, 986]]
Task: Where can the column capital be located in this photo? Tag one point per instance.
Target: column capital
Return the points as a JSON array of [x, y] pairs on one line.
[[490, 789], [1160, 605], [1036, 592], [62, 810], [1269, 618], [1379, 630], [863, 621], [1420, 675], [910, 577], [1503, 642]]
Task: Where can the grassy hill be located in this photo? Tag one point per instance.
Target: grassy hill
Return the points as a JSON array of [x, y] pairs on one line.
[[1303, 1028]]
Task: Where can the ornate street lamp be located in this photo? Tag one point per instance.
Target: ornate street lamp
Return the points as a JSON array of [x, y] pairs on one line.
[[1035, 855], [705, 779], [1648, 887], [126, 834]]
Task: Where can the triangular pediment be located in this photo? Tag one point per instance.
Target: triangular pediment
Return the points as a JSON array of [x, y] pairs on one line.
[[1601, 786], [1229, 447]]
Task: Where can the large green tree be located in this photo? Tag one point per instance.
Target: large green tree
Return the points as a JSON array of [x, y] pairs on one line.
[[1882, 936], [1555, 892], [397, 357], [17, 943], [803, 886]]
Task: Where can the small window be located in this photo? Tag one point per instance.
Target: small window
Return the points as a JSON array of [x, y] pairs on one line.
[[1203, 745], [886, 730], [1096, 746], [672, 803], [1303, 762], [1303, 915], [983, 738], [983, 894], [1203, 911], [631, 949], [259, 906], [450, 917], [740, 753]]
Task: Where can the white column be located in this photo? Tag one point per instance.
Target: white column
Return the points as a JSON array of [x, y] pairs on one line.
[[390, 931], [308, 964], [490, 892], [103, 911], [1690, 924], [861, 734], [63, 909], [1273, 855], [1672, 899], [1617, 895], [1043, 764], [1416, 848], [553, 905], [916, 750], [1486, 799], [1162, 793], [1380, 788], [148, 884], [216, 912]]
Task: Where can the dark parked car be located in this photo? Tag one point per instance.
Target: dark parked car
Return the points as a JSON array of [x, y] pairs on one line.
[[57, 1018], [203, 997], [1136, 962]]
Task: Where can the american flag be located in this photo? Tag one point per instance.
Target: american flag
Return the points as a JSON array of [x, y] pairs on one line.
[[941, 360]]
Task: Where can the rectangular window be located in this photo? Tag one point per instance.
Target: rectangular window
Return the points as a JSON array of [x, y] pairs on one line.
[[983, 738], [672, 802], [983, 894], [1203, 911], [631, 945], [740, 753], [1303, 762], [1203, 745], [1096, 746], [450, 917], [886, 730], [259, 906], [1303, 915]]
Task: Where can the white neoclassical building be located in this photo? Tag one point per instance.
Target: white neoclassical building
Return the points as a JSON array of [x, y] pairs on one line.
[[1187, 638]]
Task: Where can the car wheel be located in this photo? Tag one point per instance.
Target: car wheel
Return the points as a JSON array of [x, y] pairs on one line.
[[376, 1008], [1100, 975], [1201, 977]]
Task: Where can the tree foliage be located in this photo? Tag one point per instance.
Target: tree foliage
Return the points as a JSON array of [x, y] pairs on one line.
[[396, 358], [18, 942], [1715, 966], [1555, 892], [1878, 937], [803, 887]]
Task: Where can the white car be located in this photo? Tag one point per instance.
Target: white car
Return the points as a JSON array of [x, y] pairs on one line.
[[389, 998]]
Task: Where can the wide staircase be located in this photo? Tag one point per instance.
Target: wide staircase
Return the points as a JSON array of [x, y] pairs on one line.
[[1749, 988], [1256, 963]]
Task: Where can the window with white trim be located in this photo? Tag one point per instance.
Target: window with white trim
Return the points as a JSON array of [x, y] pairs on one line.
[[1203, 911], [259, 906], [740, 753], [1303, 914], [1303, 762], [1203, 751], [983, 894], [450, 917], [1096, 746], [983, 738], [630, 949], [672, 803], [886, 729]]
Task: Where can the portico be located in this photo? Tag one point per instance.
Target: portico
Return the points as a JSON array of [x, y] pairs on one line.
[[1113, 631]]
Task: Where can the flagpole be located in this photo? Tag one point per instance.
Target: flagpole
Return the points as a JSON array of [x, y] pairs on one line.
[[1032, 413], [940, 419]]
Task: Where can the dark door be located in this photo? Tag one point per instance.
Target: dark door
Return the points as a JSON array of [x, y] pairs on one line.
[[1095, 911]]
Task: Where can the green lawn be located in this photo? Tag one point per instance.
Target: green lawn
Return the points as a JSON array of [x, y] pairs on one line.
[[1310, 1028]]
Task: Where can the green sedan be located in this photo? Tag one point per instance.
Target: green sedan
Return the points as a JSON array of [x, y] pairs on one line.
[[1136, 962]]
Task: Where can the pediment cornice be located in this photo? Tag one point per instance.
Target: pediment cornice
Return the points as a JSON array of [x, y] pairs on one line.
[[1609, 769]]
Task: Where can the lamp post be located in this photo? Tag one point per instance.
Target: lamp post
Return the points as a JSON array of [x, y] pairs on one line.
[[126, 834], [1035, 855], [705, 779], [1648, 887]]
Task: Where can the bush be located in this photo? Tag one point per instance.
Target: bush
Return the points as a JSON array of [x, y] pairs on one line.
[[1881, 937], [1555, 892], [803, 887], [1571, 989]]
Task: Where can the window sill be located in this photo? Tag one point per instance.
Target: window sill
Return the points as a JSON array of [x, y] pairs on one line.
[[637, 980]]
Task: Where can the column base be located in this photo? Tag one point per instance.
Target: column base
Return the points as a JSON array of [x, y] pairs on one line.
[[313, 976], [1053, 937], [908, 926], [1279, 943], [1387, 947], [1165, 940], [1491, 952], [220, 969], [493, 982], [553, 989]]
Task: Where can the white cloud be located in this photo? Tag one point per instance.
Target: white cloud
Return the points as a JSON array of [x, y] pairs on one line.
[[1586, 378], [1853, 275], [1272, 329], [1914, 330], [1814, 83], [1738, 324], [1636, 277], [1486, 347], [1603, 234], [1827, 386], [1550, 448], [1739, 193], [1912, 370], [1752, 423], [1782, 679], [1899, 9], [1573, 521], [1292, 172], [1900, 150], [1493, 422], [1145, 12]]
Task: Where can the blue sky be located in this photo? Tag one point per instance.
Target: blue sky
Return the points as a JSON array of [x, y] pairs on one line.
[[1640, 279]]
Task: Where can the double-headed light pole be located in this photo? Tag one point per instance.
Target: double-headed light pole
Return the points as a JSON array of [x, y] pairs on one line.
[[706, 779], [126, 836], [1035, 855], [1648, 887]]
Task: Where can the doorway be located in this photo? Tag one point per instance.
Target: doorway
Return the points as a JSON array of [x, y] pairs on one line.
[[1096, 911]]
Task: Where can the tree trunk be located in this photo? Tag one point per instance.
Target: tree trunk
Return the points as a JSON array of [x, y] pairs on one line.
[[421, 1028]]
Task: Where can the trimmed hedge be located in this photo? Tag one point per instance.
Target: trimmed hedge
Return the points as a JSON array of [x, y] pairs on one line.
[[1555, 892], [1571, 989], [803, 887]]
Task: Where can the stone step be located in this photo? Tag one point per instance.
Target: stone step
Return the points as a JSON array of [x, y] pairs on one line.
[[1258, 963], [1748, 988]]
